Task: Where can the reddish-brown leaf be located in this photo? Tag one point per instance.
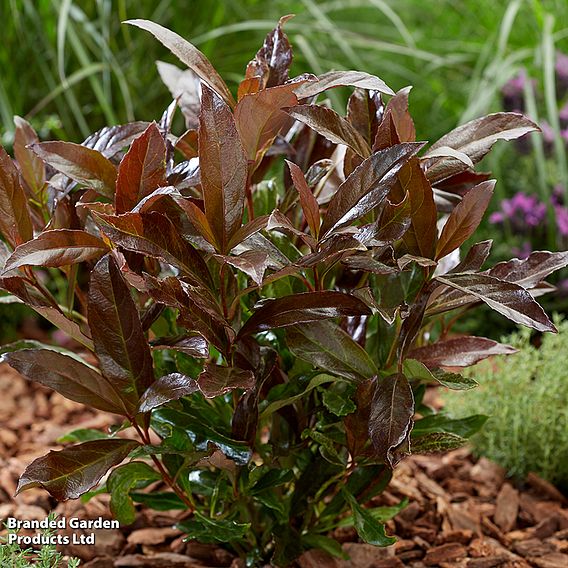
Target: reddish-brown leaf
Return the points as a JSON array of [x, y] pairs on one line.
[[84, 165], [272, 61], [475, 257], [68, 376], [69, 473], [155, 235], [260, 118], [216, 380], [110, 140], [188, 54], [390, 420], [530, 271], [120, 344], [420, 239], [465, 218], [309, 203], [475, 139], [184, 88], [142, 170], [59, 247], [343, 79], [365, 112], [367, 186], [32, 168], [330, 125], [167, 388], [223, 166], [15, 222], [301, 308], [506, 298], [459, 352], [398, 109]]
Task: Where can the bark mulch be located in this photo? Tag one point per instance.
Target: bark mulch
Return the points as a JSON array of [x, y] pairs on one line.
[[462, 512]]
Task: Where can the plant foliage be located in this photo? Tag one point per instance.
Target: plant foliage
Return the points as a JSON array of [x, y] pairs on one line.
[[275, 327]]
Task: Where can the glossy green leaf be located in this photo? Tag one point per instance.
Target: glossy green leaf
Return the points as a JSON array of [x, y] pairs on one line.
[[436, 423], [437, 442], [121, 481], [69, 473], [368, 528], [204, 529]]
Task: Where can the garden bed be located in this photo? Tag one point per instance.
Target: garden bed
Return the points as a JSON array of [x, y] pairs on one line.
[[461, 511]]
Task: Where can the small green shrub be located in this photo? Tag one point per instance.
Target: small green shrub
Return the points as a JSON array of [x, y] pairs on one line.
[[527, 400]]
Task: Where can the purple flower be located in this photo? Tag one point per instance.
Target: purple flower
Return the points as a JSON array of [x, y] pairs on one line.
[[561, 68], [561, 219], [513, 92], [557, 197], [523, 212], [563, 116]]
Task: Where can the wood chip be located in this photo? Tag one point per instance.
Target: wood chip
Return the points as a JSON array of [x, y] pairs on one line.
[[445, 553], [507, 507]]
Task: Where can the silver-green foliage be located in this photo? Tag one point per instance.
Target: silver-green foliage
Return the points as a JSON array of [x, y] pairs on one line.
[[526, 397]]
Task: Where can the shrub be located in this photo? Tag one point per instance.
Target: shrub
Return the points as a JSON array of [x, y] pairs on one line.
[[526, 399], [265, 333]]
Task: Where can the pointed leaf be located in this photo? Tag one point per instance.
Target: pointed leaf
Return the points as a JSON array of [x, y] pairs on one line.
[[216, 380], [530, 271], [252, 262], [309, 203], [459, 352], [81, 164], [475, 139], [223, 166], [50, 311], [69, 473], [121, 481], [15, 222], [155, 235], [188, 54], [120, 344], [368, 528], [397, 107], [32, 168], [68, 376], [390, 421], [59, 247], [167, 388], [272, 61], [193, 345], [259, 118], [325, 345], [475, 258], [465, 218], [302, 308], [365, 112], [343, 79], [331, 126], [142, 170], [110, 140], [437, 442], [506, 298], [367, 186], [184, 87]]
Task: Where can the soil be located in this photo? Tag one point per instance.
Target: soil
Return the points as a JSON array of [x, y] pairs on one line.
[[462, 512]]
